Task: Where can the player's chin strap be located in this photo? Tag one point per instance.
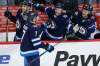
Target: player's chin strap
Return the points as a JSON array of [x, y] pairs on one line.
[[58, 42]]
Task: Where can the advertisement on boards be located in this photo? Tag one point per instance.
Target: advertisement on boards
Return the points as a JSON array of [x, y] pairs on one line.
[[64, 54], [33, 22]]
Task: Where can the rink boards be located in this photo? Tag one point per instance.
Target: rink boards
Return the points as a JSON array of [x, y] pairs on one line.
[[66, 53]]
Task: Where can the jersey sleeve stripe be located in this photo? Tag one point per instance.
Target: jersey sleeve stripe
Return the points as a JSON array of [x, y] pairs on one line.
[[92, 26], [53, 37], [35, 39], [28, 52], [36, 44]]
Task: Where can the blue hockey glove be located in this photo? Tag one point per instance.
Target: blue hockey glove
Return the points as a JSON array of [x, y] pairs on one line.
[[49, 48], [7, 13]]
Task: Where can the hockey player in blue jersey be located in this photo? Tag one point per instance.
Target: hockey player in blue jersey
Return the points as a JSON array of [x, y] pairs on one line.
[[20, 19], [31, 42], [60, 22], [86, 25]]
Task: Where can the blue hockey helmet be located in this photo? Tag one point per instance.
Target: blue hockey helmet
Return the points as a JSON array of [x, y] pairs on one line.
[[59, 5], [28, 3], [49, 1]]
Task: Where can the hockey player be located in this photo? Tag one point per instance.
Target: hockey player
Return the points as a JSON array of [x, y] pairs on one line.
[[59, 20], [20, 19], [86, 25], [62, 23], [31, 42]]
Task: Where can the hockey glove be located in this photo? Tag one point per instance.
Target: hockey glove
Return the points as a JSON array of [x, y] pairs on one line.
[[7, 13], [49, 47], [76, 28]]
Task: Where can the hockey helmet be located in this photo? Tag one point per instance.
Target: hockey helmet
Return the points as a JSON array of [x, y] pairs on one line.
[[88, 7], [59, 5], [27, 3], [33, 16], [49, 1]]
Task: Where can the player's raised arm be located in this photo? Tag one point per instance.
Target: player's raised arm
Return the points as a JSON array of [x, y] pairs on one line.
[[9, 15]]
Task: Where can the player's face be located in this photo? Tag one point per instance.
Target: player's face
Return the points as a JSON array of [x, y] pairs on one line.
[[35, 20], [85, 13], [24, 8], [29, 8], [58, 11]]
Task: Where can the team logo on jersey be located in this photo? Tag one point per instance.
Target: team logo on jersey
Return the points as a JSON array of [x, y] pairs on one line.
[[18, 24], [82, 30], [25, 27], [65, 16]]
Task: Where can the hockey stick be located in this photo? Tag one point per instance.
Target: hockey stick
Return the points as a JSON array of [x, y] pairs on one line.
[[7, 23], [43, 53]]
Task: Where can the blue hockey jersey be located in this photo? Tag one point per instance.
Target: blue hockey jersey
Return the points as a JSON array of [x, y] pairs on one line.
[[20, 20], [31, 39], [86, 27], [61, 24]]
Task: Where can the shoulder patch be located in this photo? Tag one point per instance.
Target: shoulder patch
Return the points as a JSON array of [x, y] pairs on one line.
[[65, 16], [76, 13], [92, 17], [25, 27]]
